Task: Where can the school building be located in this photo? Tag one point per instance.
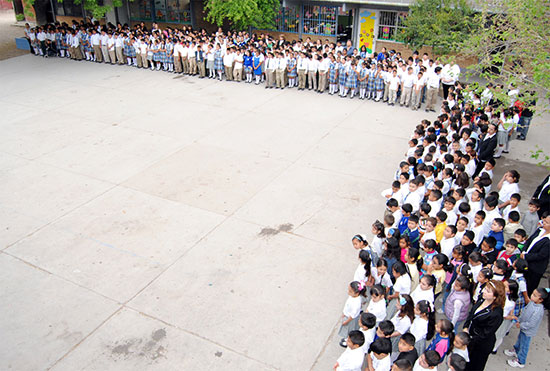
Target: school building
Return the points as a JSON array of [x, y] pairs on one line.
[[372, 23]]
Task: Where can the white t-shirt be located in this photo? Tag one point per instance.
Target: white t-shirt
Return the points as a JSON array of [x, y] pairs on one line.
[[394, 82], [384, 280], [383, 364], [369, 338], [352, 308], [402, 285], [401, 324], [408, 80], [351, 360], [419, 328], [447, 245], [359, 274], [378, 309], [507, 190], [419, 295]]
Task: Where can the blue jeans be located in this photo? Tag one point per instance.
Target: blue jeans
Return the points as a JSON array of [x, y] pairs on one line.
[[522, 347], [523, 126]]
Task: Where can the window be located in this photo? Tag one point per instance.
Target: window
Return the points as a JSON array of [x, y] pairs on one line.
[[140, 10], [320, 20], [169, 11], [390, 25], [68, 8], [288, 19]]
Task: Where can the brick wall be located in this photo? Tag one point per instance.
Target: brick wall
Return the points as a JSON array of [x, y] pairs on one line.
[[289, 36], [407, 52]]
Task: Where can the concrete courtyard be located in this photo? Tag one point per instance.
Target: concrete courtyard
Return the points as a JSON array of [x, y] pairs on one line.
[[151, 221]]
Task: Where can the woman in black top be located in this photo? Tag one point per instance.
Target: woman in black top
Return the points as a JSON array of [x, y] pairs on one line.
[[483, 321]]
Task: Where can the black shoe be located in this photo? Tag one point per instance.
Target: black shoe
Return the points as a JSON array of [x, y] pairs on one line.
[[343, 343]]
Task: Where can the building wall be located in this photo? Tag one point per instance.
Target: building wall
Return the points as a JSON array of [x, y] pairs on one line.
[[291, 36], [407, 52]]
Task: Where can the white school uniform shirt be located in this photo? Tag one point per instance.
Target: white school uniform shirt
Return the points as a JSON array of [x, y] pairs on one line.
[[401, 324], [281, 64], [507, 210], [302, 63], [436, 207], [95, 39], [451, 216], [397, 215], [111, 43], [378, 309], [239, 61], [312, 65], [418, 294], [383, 364], [432, 80], [351, 360], [419, 328], [377, 245], [418, 367], [369, 338], [228, 60], [402, 285], [408, 80], [360, 272], [41, 36], [352, 308], [479, 233], [75, 41], [463, 353], [119, 42], [507, 190], [414, 199], [394, 82], [447, 246], [324, 65], [143, 48], [489, 217], [104, 40], [428, 236]]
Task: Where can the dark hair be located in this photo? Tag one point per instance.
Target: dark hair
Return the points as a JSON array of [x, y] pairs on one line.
[[408, 308], [425, 307], [381, 346], [431, 245], [368, 320], [514, 216], [457, 362], [514, 175], [407, 208], [520, 265], [403, 364], [441, 215], [513, 287], [487, 273], [360, 238], [464, 337], [357, 337], [430, 280], [447, 327], [521, 232], [491, 201], [414, 218], [463, 283], [379, 226], [414, 253], [408, 338], [387, 327], [392, 250], [358, 287], [364, 256], [392, 202], [517, 196], [400, 268], [377, 290], [501, 222], [545, 297], [491, 241], [431, 356], [444, 261]]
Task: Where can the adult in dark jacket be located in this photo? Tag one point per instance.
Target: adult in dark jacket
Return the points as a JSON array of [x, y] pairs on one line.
[[482, 323], [486, 149], [537, 254], [543, 194]]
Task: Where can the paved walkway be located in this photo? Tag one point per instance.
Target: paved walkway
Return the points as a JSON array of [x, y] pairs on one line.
[[160, 222], [8, 32]]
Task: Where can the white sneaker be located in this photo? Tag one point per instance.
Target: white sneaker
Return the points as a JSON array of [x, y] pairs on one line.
[[510, 352], [515, 363]]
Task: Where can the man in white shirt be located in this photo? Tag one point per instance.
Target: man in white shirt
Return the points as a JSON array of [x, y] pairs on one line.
[[302, 71], [323, 70], [143, 52], [280, 72], [238, 67], [393, 82], [111, 48], [228, 60], [432, 83], [418, 85], [119, 47], [104, 49], [96, 44], [312, 67], [407, 82], [41, 37], [270, 67]]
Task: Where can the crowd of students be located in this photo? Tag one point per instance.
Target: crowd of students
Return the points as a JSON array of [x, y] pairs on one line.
[[454, 262]]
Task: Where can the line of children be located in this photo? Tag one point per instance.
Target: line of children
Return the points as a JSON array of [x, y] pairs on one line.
[[447, 232]]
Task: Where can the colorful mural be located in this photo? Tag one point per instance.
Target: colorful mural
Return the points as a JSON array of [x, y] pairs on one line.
[[366, 30]]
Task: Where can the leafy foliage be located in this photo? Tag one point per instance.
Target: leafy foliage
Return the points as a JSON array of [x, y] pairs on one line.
[[513, 47], [243, 13], [441, 24]]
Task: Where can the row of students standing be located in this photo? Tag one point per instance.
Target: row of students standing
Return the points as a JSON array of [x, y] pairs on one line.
[[456, 264]]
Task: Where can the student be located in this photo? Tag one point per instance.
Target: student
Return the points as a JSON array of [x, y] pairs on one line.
[[521, 236], [393, 85], [377, 230], [444, 338], [488, 249], [530, 219], [362, 273], [427, 361], [412, 231], [353, 356], [401, 365], [402, 320], [508, 313], [479, 227], [513, 206], [377, 304], [510, 253], [414, 264], [352, 309], [423, 326], [529, 322], [460, 345], [367, 325], [448, 242], [497, 228], [458, 301], [512, 225], [429, 233], [402, 286], [456, 362], [380, 355], [438, 268], [520, 268], [406, 348], [441, 218], [425, 290], [406, 211], [291, 70]]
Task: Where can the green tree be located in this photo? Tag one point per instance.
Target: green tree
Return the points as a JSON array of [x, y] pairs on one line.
[[513, 47], [242, 14], [441, 24]]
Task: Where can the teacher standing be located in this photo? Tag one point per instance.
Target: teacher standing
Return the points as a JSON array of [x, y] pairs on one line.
[[482, 323], [537, 253]]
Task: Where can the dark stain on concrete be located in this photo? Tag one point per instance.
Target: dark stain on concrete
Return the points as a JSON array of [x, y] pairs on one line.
[[268, 231], [148, 347], [218, 354], [287, 227], [159, 334]]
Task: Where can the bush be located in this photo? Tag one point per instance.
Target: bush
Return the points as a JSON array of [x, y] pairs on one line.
[[20, 17]]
